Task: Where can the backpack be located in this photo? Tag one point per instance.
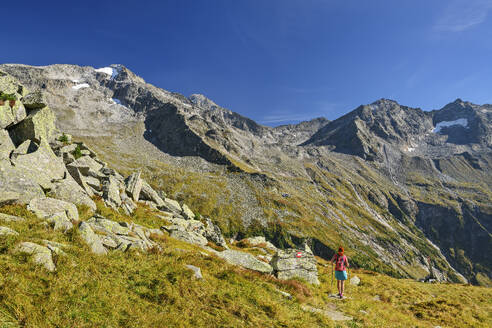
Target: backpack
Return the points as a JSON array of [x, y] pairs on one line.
[[340, 263]]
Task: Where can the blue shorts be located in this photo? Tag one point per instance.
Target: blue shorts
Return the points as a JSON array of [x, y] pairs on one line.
[[341, 275]]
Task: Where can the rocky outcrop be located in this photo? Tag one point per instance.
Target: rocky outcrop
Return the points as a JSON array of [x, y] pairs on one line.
[[245, 260], [41, 255], [103, 235], [291, 263]]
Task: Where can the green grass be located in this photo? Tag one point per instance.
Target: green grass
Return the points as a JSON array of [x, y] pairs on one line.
[[154, 290]]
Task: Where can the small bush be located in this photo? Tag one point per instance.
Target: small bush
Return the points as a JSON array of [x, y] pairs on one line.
[[77, 153], [63, 138]]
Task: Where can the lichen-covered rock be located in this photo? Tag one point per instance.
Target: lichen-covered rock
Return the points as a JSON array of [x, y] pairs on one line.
[[34, 100], [134, 185], [41, 255], [187, 213], [91, 239], [171, 205], [197, 273], [127, 204], [10, 218], [189, 237], [38, 125], [6, 231], [6, 145], [260, 241], [11, 115], [214, 234], [60, 222], [87, 166], [46, 207], [16, 185], [290, 263], [149, 194], [41, 166], [69, 191], [245, 260], [111, 191]]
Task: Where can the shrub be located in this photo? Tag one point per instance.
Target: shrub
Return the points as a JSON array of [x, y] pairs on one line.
[[63, 138], [77, 153]]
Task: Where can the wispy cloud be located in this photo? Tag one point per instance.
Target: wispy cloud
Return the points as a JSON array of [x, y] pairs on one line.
[[461, 15]]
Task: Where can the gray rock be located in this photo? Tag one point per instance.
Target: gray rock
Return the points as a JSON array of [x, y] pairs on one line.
[[91, 239], [17, 185], [46, 207], [6, 231], [6, 145], [41, 166], [187, 213], [355, 281], [10, 116], [111, 191], [287, 265], [80, 180], [260, 240], [134, 185], [213, 233], [60, 222], [171, 205], [287, 295], [245, 260], [38, 125], [127, 204], [197, 272], [87, 166], [41, 255], [189, 237], [69, 191], [149, 194], [103, 225], [10, 218], [34, 100]]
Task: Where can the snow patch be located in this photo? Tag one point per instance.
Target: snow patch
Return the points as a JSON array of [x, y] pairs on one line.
[[111, 71], [116, 101], [80, 86], [75, 81], [461, 121]]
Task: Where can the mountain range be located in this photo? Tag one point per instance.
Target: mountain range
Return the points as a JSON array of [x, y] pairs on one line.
[[394, 184]]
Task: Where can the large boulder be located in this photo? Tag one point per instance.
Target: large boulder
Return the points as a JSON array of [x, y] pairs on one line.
[[41, 255], [46, 207], [41, 166], [189, 237], [245, 260], [38, 125], [134, 185], [10, 115], [147, 193], [34, 100], [214, 234], [60, 222], [6, 145], [187, 213], [6, 231], [111, 191], [17, 185], [259, 241], [291, 263], [87, 166], [171, 205], [92, 239], [69, 191]]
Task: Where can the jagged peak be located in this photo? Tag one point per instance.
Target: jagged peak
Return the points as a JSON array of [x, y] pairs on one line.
[[202, 101]]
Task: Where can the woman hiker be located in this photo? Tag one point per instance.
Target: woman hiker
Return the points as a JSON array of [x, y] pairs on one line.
[[341, 263]]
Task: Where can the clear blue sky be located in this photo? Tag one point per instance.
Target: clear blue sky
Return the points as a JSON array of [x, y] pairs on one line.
[[274, 61]]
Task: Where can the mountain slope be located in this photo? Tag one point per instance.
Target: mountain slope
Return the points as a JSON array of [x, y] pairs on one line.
[[395, 184]]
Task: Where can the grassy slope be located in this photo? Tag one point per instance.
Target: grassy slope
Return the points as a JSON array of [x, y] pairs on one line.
[[132, 290]]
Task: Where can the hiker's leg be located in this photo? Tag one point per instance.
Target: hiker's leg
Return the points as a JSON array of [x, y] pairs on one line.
[[342, 285], [339, 286]]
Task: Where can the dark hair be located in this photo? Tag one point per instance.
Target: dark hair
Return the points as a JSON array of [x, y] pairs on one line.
[[340, 249]]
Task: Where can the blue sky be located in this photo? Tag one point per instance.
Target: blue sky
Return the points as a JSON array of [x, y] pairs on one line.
[[273, 61]]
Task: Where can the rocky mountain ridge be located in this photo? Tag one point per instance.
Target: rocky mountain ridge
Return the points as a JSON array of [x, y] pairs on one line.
[[394, 183]]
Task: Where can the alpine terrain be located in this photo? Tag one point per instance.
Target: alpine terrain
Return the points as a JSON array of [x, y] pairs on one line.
[[123, 204]]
